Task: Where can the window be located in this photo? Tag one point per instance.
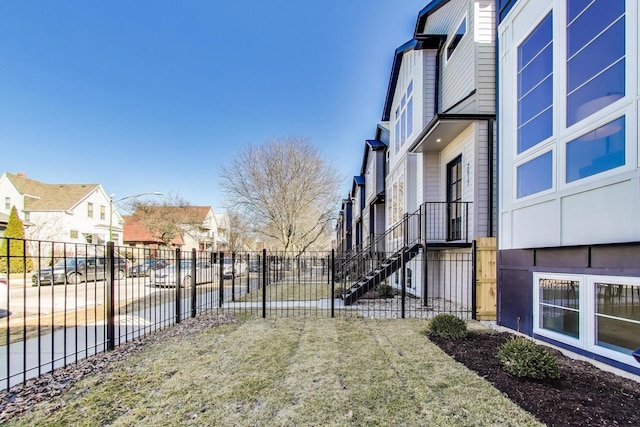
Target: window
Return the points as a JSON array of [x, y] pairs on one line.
[[454, 199], [535, 175], [559, 306], [7, 203], [597, 151], [27, 216], [535, 86], [90, 210], [595, 56], [404, 117], [457, 37], [103, 212], [617, 316], [596, 313]]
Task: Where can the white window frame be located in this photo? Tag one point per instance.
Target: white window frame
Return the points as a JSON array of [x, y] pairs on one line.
[[625, 106], [587, 313]]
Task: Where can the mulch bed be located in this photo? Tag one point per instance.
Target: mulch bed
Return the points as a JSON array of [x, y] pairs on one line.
[[583, 396]]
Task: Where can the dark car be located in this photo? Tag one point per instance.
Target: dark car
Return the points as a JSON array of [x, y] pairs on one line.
[[254, 266], [144, 268], [78, 269]]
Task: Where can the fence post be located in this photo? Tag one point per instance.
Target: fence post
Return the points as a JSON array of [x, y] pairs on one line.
[[333, 282], [403, 281], [111, 336], [221, 287], [193, 283], [474, 278], [233, 276], [264, 283], [178, 285], [248, 257], [213, 273]]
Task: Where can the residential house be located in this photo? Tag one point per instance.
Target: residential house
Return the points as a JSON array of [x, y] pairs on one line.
[[71, 213], [197, 225], [569, 196], [439, 113], [136, 235]]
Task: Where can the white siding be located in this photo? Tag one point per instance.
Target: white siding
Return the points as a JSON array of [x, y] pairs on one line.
[[429, 86], [485, 60], [7, 189], [458, 74]]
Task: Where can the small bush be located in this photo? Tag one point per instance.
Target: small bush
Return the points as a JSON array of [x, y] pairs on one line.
[[523, 358], [384, 291], [337, 292], [448, 326]]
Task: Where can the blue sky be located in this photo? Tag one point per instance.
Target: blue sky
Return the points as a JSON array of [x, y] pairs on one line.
[[156, 95]]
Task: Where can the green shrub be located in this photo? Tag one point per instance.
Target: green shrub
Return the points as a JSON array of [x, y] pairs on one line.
[[448, 326], [337, 292], [384, 291], [523, 358]]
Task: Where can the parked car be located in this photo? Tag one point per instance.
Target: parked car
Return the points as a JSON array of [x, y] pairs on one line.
[[255, 266], [230, 269], [78, 269], [167, 276], [144, 268]]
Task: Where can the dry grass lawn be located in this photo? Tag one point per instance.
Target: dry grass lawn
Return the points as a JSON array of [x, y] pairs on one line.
[[287, 371]]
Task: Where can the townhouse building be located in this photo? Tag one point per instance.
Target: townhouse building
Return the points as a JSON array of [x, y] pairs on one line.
[[437, 165], [569, 157]]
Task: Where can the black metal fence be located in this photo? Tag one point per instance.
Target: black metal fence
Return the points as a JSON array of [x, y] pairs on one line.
[[62, 302]]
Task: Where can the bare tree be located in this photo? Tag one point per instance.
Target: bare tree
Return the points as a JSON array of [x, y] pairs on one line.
[[236, 231], [166, 219], [285, 190]]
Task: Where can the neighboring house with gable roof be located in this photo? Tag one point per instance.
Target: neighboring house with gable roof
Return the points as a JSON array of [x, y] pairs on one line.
[[71, 213], [198, 229]]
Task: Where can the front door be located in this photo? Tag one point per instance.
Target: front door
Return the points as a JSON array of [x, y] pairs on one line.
[[454, 199]]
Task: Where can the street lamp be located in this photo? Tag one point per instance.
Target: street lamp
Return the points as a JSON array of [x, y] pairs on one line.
[[112, 202]]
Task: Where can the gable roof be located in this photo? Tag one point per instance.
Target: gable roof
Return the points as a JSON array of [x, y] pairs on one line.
[[40, 196], [418, 42], [134, 231]]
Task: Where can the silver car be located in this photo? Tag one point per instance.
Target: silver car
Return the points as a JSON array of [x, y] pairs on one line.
[[167, 276]]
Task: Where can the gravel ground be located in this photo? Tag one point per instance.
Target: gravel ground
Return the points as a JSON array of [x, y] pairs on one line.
[[21, 398]]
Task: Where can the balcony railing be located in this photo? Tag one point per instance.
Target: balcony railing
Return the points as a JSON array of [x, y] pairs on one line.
[[447, 222]]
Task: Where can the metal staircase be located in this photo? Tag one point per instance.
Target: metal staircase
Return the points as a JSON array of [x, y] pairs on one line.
[[384, 269], [365, 268]]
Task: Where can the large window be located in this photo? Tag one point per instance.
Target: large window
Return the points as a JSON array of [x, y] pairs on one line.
[[591, 67], [404, 118], [90, 210], [535, 86], [598, 313], [595, 56], [597, 151]]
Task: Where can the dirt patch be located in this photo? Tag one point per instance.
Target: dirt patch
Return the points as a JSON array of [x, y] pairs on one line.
[[583, 396]]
